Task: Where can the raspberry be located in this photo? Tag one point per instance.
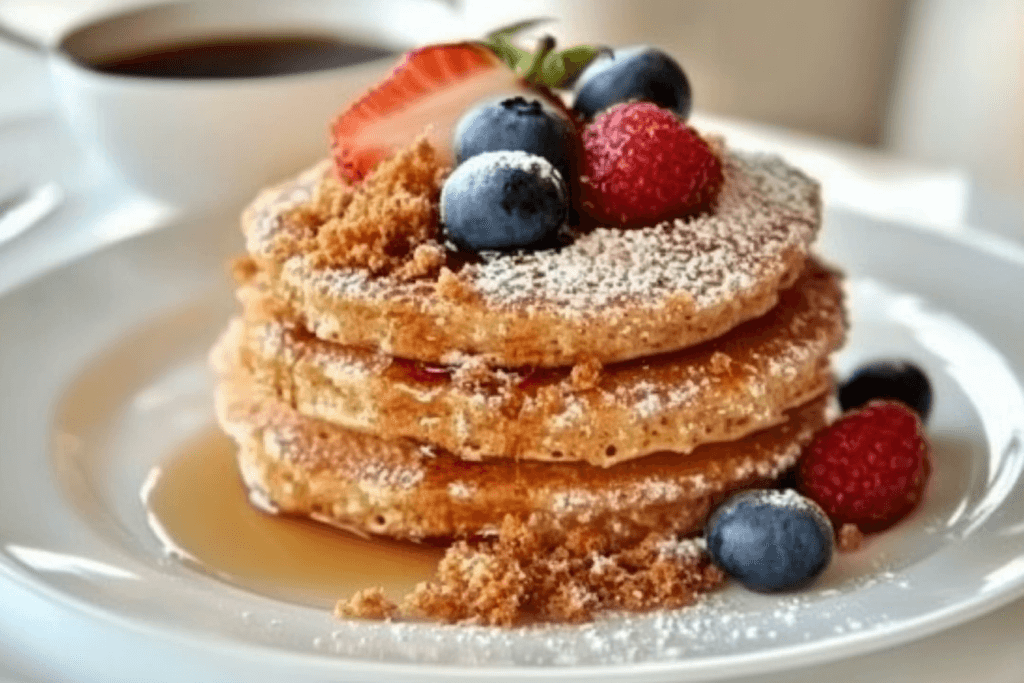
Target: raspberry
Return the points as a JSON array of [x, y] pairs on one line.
[[869, 468], [642, 164]]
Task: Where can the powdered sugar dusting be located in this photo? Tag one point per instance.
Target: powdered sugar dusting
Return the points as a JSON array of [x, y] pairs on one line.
[[739, 384], [609, 293], [515, 159], [708, 258], [790, 499], [766, 210], [263, 217], [725, 623], [721, 624]]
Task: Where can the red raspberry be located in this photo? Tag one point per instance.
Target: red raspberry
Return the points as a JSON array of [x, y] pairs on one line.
[[869, 468], [642, 164]]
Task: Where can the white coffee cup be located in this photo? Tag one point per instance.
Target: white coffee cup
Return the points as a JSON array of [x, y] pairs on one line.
[[215, 141]]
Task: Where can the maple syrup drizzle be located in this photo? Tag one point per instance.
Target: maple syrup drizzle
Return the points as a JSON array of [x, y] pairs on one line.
[[199, 509]]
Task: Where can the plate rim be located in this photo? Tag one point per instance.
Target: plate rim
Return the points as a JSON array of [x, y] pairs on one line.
[[702, 668]]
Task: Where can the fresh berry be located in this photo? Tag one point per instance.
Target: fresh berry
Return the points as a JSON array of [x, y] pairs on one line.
[[770, 540], [891, 379], [869, 468], [517, 123], [431, 86], [636, 73], [425, 92], [503, 200], [642, 164]]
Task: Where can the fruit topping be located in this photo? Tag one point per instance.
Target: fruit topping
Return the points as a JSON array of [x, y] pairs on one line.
[[432, 86], [869, 468], [889, 379], [636, 73], [518, 123], [427, 91], [643, 164], [503, 200], [770, 540]]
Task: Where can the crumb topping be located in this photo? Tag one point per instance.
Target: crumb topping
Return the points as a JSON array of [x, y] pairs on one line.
[[479, 379], [532, 572], [766, 207], [451, 286], [369, 603], [585, 375], [366, 265], [243, 269], [386, 225], [720, 363], [849, 538]]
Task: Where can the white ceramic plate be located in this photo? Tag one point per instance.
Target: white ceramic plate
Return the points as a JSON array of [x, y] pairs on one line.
[[76, 442]]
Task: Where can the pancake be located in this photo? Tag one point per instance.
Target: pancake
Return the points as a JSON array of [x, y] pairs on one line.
[[400, 488], [718, 391], [610, 295]]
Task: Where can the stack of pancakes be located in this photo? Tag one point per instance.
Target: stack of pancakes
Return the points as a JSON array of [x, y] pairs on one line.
[[625, 382]]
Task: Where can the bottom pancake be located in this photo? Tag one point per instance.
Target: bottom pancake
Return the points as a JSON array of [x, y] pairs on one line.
[[299, 465]]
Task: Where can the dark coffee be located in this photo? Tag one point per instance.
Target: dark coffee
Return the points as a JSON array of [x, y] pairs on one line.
[[241, 57]]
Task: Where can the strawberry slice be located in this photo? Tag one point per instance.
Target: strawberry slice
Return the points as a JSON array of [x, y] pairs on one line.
[[426, 92]]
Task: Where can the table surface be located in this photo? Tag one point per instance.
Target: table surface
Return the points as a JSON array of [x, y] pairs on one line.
[[987, 649]]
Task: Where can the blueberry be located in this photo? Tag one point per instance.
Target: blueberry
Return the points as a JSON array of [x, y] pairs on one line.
[[635, 73], [896, 379], [770, 540], [517, 123], [503, 200]]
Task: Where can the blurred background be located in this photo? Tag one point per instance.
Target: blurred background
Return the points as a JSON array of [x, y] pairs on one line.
[[941, 81], [936, 81]]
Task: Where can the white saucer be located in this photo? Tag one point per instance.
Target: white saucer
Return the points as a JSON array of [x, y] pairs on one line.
[[77, 443]]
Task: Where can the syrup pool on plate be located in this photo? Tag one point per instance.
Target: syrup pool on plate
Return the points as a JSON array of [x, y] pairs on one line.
[[198, 507]]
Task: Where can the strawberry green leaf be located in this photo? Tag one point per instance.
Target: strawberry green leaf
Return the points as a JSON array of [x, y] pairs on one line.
[[510, 31], [508, 53], [543, 67], [533, 72], [500, 42], [575, 59], [552, 70]]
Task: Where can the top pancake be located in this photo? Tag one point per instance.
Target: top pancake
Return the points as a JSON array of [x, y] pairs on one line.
[[610, 295]]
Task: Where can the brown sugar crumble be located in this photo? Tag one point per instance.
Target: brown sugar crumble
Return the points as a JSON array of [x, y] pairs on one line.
[[369, 603], [585, 375], [243, 269], [387, 224], [534, 573], [720, 363], [475, 375], [451, 286], [849, 538]]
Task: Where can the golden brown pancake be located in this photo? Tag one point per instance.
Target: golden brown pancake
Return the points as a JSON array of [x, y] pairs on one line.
[[610, 295], [718, 391], [397, 487]]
